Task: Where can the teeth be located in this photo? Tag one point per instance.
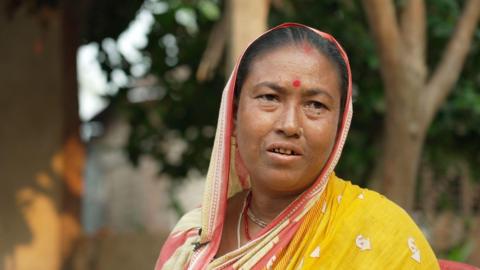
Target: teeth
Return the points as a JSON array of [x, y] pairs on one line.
[[283, 151]]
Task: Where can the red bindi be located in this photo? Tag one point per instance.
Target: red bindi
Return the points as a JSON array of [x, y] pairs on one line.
[[296, 83]]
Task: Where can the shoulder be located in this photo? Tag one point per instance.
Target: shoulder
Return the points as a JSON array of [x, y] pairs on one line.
[[189, 220], [178, 247], [370, 205], [371, 217], [193, 219]]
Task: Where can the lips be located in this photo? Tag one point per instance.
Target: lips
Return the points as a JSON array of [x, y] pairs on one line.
[[286, 149]]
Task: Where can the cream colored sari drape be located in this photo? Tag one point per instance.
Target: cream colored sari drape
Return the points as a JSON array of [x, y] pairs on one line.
[[327, 227]]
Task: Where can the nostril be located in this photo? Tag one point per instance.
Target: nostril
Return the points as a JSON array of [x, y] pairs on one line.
[[288, 122]]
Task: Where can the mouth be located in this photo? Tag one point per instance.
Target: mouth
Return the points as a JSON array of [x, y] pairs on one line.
[[285, 149]]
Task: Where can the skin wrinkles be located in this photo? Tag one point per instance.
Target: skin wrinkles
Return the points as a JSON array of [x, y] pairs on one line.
[[305, 92], [271, 113], [280, 115]]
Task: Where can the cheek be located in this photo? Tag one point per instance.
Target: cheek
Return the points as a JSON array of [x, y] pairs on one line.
[[252, 127], [248, 143], [322, 138], [252, 121], [247, 130]]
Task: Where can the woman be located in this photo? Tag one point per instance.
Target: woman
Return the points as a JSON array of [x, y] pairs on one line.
[[271, 198]]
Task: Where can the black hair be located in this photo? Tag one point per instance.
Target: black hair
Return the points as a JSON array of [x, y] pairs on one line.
[[281, 37]]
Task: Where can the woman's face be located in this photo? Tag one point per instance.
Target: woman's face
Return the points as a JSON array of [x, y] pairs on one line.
[[287, 118]]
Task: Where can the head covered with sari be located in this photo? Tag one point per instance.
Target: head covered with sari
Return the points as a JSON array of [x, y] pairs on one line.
[[321, 227]]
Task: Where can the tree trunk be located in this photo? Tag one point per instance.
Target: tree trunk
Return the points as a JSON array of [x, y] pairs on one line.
[[404, 137], [248, 19], [411, 99], [41, 156]]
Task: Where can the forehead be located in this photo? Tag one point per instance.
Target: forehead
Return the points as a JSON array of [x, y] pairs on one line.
[[300, 62]]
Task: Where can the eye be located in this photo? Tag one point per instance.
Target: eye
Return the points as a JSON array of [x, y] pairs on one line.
[[268, 97], [315, 106]]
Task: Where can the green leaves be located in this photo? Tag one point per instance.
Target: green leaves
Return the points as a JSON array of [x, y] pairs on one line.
[[188, 108], [209, 9]]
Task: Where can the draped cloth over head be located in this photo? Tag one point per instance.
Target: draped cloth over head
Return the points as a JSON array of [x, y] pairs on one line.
[[195, 240]]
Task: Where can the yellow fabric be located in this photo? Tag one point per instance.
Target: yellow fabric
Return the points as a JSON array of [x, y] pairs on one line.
[[330, 239], [327, 237]]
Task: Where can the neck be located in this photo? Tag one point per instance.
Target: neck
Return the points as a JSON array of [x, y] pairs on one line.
[[268, 206]]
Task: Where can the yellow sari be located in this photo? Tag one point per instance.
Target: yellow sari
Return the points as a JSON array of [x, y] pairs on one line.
[[355, 228], [348, 228], [331, 225]]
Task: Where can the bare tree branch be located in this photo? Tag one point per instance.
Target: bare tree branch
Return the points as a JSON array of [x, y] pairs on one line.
[[215, 47], [450, 66], [243, 31], [383, 23], [414, 32]]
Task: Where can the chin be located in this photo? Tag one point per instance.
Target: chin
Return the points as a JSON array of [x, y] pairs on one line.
[[284, 182]]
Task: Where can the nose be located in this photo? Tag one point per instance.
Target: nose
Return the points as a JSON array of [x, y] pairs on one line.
[[288, 123]]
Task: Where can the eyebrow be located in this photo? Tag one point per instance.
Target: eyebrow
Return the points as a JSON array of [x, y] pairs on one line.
[[307, 92]]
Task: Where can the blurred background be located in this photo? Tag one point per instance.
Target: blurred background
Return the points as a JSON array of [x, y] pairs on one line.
[[108, 112]]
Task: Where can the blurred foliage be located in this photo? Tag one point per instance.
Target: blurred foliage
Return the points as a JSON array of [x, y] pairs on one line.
[[106, 18], [187, 109], [184, 116], [184, 112], [461, 252], [455, 132]]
